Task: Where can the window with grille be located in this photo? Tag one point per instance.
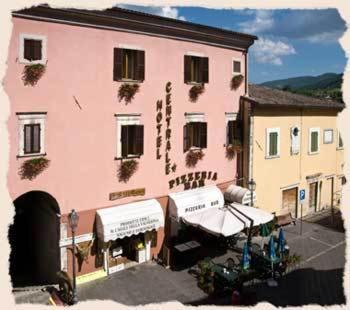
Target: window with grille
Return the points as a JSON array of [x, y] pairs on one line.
[[32, 48], [31, 138], [236, 65]]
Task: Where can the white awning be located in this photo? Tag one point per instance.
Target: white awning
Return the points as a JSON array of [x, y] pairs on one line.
[[196, 200], [239, 194], [129, 219], [217, 221], [257, 215]]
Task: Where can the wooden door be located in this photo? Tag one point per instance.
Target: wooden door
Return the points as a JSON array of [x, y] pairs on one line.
[[313, 197], [290, 201]]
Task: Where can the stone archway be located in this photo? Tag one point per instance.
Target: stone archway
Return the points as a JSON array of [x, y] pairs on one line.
[[34, 238]]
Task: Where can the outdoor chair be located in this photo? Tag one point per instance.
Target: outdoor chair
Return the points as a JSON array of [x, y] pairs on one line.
[[285, 219]]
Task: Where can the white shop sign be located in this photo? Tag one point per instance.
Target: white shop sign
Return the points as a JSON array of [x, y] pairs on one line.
[[78, 239], [129, 219], [195, 200]]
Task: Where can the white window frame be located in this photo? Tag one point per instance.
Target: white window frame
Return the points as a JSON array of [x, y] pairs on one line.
[[324, 136], [194, 117], [124, 120], [238, 60], [267, 146], [311, 130], [26, 119], [43, 40]]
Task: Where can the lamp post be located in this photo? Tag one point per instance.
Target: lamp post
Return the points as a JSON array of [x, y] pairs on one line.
[[252, 187], [73, 219]]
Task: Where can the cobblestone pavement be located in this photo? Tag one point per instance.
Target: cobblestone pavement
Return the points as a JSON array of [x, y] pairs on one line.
[[317, 280]]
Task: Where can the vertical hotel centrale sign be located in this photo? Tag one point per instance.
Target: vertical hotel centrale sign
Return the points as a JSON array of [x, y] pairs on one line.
[[169, 166]]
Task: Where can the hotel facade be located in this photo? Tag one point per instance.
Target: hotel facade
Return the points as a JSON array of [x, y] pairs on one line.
[[111, 112]]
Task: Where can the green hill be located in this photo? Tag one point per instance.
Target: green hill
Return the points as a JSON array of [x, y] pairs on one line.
[[327, 85]]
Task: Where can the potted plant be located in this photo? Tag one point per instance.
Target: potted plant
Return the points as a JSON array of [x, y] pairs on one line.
[[140, 251], [127, 92], [236, 81], [32, 73], [31, 168], [195, 91], [127, 169], [193, 156]]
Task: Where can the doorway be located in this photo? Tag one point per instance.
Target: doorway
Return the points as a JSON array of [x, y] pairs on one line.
[[34, 239], [313, 193], [290, 201]]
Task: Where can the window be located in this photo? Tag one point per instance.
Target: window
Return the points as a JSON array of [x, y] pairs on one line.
[[314, 141], [272, 142], [340, 141], [196, 69], [328, 136], [132, 140], [195, 135], [236, 67], [129, 64], [130, 135], [31, 133], [32, 49], [234, 133]]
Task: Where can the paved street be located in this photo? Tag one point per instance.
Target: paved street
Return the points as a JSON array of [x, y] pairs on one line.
[[318, 279]]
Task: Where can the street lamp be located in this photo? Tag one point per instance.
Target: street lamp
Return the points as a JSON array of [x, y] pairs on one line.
[[73, 219], [252, 187]]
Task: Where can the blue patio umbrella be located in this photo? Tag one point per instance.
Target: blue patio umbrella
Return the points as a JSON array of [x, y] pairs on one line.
[[245, 257], [281, 242], [272, 251]]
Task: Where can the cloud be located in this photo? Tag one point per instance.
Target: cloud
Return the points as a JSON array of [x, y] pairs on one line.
[[315, 26], [263, 21], [270, 51], [165, 11]]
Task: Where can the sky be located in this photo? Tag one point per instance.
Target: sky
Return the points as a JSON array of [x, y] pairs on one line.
[[291, 42]]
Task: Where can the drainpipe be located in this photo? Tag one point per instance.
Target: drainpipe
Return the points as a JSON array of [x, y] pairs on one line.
[[251, 139]]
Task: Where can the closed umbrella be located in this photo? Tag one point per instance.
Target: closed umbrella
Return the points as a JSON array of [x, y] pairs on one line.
[[245, 257], [281, 242], [272, 251], [264, 230]]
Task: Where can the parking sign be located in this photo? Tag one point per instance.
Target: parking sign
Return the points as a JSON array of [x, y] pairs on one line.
[[302, 195]]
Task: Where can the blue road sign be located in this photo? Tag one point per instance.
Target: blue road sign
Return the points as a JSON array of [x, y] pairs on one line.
[[302, 195]]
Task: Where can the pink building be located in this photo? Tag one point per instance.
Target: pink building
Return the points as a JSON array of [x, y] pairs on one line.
[[94, 150]]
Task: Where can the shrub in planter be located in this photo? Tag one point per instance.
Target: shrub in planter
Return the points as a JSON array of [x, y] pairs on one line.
[[33, 167], [236, 81], [193, 156], [127, 91], [32, 73], [195, 91], [127, 169]]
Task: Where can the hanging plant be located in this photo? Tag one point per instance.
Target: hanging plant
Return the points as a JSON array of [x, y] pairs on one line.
[[230, 152], [127, 169], [193, 156], [195, 91], [32, 73], [127, 92], [33, 167], [236, 81]]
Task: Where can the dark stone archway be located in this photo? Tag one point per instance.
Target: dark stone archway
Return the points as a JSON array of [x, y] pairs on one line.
[[34, 238]]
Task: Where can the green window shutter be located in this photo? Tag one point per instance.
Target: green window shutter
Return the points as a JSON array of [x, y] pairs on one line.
[[314, 141], [139, 139], [273, 143], [187, 68], [203, 135], [204, 69], [124, 141], [186, 138], [140, 66], [118, 64], [229, 132]]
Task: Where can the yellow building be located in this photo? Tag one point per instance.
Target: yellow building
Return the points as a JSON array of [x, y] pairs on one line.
[[291, 143]]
